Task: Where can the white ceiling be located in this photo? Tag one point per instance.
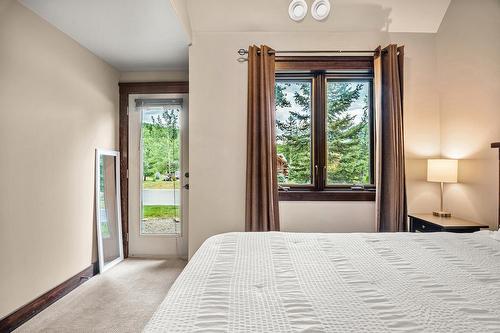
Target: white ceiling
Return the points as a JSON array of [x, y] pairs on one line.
[[127, 34], [135, 35]]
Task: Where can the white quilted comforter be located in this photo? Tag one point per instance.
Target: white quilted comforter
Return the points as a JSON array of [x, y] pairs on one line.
[[288, 282]]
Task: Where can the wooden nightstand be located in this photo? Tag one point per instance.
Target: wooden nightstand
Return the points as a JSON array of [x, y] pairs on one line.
[[431, 223]]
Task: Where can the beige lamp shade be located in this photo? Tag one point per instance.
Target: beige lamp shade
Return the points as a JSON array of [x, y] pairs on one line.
[[442, 170]]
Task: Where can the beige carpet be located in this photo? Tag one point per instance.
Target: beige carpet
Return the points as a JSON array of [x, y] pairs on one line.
[[121, 300]]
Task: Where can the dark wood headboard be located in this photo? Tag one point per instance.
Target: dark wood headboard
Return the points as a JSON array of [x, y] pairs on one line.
[[497, 145]]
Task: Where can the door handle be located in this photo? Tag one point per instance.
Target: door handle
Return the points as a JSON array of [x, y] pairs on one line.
[[186, 186]]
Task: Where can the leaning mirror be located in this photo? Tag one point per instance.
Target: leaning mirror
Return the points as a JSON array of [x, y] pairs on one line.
[[108, 215]]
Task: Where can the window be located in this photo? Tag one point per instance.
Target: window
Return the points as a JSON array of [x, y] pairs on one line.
[[324, 128]]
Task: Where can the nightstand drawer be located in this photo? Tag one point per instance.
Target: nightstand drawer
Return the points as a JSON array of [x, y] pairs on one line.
[[423, 226]]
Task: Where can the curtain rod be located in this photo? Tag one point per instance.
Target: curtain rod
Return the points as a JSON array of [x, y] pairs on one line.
[[243, 52]]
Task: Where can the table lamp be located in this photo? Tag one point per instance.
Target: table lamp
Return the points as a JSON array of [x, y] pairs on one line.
[[442, 171]]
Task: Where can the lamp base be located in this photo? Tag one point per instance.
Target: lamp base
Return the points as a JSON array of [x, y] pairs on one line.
[[442, 214]]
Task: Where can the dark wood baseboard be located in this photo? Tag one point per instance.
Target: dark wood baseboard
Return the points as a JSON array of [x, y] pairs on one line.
[[25, 313]]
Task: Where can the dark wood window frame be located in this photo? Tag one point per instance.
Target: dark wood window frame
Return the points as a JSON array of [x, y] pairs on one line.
[[127, 89], [322, 69]]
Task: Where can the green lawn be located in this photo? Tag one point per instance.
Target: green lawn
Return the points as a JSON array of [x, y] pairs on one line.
[[160, 184], [161, 211]]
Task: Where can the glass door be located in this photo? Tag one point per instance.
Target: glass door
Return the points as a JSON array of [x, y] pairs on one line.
[[158, 175]]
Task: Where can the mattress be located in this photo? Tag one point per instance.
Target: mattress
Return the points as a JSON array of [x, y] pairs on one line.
[[290, 282]]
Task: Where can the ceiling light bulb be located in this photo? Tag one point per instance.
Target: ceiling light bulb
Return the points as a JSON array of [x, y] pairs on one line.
[[297, 10], [320, 9]]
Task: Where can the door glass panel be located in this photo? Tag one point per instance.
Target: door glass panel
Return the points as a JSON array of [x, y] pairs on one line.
[[160, 149]]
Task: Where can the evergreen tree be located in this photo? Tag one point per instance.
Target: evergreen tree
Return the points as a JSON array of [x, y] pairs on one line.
[[347, 141], [294, 133], [348, 154]]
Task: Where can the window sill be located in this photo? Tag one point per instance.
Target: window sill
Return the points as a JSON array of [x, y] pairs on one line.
[[333, 195]]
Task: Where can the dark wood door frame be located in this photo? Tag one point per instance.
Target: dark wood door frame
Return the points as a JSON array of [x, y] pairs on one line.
[[127, 89]]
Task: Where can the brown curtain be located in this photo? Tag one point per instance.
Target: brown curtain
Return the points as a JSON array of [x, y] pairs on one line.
[[391, 210], [262, 182]]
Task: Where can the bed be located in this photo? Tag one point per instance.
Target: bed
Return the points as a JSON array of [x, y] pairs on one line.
[[291, 282]]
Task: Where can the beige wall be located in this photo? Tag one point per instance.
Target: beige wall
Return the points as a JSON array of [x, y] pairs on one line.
[[346, 15], [58, 102], [218, 131], [468, 55]]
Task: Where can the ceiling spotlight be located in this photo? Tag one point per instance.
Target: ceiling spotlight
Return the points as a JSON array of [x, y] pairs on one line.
[[320, 9], [297, 10]]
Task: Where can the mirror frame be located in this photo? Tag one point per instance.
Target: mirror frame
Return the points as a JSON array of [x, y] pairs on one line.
[[98, 153]]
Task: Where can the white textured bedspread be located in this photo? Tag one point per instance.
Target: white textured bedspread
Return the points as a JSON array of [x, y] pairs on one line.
[[289, 282]]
